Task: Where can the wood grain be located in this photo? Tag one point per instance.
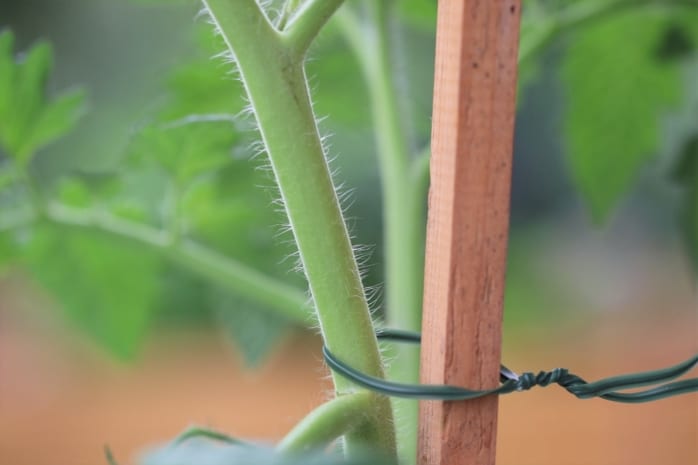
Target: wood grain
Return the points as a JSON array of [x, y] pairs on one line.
[[472, 134]]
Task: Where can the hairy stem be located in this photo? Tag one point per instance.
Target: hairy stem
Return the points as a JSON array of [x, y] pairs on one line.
[[274, 78], [328, 422]]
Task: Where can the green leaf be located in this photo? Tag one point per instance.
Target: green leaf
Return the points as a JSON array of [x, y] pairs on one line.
[[205, 453], [230, 212], [205, 85], [30, 81], [54, 120], [107, 287], [254, 331], [419, 13], [618, 89], [341, 91], [7, 71], [74, 192], [186, 150], [29, 120]]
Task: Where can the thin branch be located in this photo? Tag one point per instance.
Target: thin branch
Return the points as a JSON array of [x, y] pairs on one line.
[[289, 8], [351, 27], [100, 220], [306, 24], [228, 273], [328, 422]]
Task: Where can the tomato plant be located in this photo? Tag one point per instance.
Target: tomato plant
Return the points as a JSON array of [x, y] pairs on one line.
[[78, 234]]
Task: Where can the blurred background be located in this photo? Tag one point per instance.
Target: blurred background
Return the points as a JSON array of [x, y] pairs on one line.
[[600, 283]]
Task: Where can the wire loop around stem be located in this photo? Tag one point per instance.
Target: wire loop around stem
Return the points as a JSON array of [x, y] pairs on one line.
[[605, 388]]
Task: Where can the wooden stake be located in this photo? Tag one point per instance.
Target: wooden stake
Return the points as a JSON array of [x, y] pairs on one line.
[[472, 134]]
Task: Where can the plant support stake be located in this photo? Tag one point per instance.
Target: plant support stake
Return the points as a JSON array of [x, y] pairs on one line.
[[468, 221]]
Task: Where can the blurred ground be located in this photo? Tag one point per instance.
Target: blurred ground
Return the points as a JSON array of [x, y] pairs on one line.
[[61, 405]]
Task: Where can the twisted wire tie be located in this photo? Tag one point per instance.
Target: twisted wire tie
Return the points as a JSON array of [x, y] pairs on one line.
[[510, 382]]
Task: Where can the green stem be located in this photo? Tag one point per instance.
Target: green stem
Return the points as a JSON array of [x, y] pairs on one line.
[[274, 78], [403, 272], [328, 422], [403, 275], [289, 8], [305, 24], [279, 297], [403, 205]]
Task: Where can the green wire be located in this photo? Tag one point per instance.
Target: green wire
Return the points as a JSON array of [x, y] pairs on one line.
[[605, 388]]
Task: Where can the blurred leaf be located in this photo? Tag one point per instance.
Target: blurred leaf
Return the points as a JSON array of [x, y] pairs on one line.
[[211, 210], [254, 331], [188, 149], [137, 193], [107, 287], [185, 298], [535, 26], [74, 192], [7, 72], [234, 213], [206, 453], [617, 90], [419, 13], [31, 75], [117, 193], [340, 90], [28, 120], [56, 119], [205, 85]]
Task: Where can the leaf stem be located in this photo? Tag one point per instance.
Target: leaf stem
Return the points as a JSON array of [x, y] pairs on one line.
[[403, 274], [306, 23], [275, 295], [403, 202], [327, 422]]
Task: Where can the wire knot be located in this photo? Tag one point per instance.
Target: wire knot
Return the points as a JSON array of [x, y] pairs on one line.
[[607, 388], [543, 378]]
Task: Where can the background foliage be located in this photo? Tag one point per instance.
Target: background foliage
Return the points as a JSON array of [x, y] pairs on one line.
[[185, 167]]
